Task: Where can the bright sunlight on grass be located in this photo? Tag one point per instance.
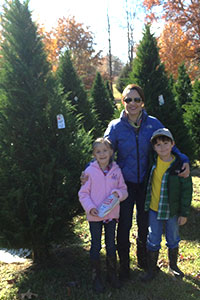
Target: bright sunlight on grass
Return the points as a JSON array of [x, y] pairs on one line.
[[67, 275]]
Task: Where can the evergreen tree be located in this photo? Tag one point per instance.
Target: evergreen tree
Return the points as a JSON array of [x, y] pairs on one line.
[[123, 78], [182, 88], [102, 104], [149, 73], [40, 165], [192, 118], [110, 93], [74, 88], [171, 82]]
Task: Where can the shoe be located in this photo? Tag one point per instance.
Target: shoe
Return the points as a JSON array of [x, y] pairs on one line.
[[97, 284], [173, 268], [112, 272], [152, 258]]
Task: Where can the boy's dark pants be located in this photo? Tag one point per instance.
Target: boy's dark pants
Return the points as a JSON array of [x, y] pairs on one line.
[[136, 196]]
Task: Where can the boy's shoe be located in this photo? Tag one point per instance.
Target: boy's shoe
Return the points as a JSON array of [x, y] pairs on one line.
[[173, 268]]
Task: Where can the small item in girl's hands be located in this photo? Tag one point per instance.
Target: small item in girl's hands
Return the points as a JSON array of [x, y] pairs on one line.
[[107, 205]]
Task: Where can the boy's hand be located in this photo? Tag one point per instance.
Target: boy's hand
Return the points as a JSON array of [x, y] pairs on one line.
[[94, 212], [182, 221], [83, 178], [186, 170]]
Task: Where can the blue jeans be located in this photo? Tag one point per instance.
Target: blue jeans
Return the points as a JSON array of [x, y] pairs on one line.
[[154, 237], [96, 234]]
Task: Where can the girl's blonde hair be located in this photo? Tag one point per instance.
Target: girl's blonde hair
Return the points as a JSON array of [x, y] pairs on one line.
[[102, 140]]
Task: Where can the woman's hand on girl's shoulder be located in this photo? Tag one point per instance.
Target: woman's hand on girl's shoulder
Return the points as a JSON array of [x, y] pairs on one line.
[[83, 178]]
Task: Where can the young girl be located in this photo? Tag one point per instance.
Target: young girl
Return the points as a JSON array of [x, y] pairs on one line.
[[105, 181]]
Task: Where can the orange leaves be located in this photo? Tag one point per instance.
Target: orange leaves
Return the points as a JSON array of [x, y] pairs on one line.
[[150, 3], [50, 43], [175, 48], [198, 276], [183, 17], [71, 35]]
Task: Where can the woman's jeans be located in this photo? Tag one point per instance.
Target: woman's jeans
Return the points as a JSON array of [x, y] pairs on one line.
[[135, 196], [156, 229], [96, 234]]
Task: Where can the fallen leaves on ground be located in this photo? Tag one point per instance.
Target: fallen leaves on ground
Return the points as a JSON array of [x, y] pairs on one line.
[[28, 295]]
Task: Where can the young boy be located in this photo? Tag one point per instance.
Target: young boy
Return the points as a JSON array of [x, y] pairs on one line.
[[168, 201]]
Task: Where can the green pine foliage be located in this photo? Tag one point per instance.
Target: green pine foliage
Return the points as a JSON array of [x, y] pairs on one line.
[[102, 104], [110, 92], [123, 79], [75, 91], [149, 73], [39, 173], [192, 118], [182, 91], [182, 88]]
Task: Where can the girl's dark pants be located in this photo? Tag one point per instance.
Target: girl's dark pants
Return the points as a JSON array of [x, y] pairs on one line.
[[96, 234], [136, 196]]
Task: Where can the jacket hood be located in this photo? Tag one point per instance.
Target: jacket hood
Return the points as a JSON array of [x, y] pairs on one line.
[[95, 165]]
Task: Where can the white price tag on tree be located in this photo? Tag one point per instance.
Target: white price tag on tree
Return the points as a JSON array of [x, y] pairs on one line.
[[60, 121]]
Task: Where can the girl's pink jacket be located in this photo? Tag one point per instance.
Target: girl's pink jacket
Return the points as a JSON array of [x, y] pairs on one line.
[[98, 187]]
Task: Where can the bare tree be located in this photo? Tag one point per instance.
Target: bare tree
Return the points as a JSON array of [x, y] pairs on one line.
[[109, 54], [133, 12]]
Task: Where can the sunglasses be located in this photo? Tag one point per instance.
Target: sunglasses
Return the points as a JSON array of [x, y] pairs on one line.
[[136, 100]]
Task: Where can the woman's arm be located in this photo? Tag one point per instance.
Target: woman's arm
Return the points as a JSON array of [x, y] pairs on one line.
[[185, 167]]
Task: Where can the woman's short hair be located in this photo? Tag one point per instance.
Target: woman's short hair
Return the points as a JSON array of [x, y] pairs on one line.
[[131, 87]]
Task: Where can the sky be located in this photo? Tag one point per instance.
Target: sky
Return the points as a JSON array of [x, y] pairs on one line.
[[93, 13]]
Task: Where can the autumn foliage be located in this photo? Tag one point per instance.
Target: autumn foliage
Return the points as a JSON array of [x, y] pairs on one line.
[[176, 48], [182, 15], [71, 35]]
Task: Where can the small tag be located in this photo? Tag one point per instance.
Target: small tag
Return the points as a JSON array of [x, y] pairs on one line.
[[161, 100], [60, 121]]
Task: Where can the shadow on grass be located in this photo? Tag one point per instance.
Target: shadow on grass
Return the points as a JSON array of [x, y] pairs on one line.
[[167, 287], [195, 171], [191, 230], [58, 278], [67, 276]]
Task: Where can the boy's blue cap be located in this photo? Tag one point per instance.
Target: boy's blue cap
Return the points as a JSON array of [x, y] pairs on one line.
[[162, 132]]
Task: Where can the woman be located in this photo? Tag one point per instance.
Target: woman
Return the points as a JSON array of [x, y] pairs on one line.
[[130, 136]]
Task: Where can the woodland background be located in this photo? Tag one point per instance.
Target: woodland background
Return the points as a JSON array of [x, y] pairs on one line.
[[44, 74], [47, 73]]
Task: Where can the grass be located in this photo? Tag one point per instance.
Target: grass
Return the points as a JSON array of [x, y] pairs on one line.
[[67, 275], [117, 95]]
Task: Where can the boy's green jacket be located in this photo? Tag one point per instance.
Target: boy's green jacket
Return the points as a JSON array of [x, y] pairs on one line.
[[179, 188]]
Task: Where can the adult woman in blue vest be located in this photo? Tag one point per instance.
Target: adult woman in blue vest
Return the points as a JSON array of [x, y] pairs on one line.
[[130, 136]]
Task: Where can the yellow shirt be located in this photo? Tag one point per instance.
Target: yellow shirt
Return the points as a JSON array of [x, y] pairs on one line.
[[161, 168]]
